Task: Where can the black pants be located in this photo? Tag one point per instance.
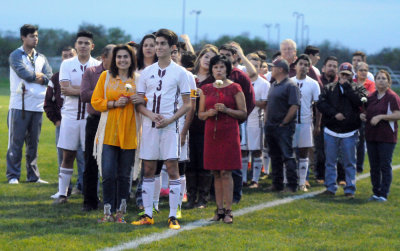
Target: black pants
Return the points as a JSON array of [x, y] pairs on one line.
[[198, 180], [91, 173]]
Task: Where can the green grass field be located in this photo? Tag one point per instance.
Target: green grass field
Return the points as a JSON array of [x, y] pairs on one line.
[[28, 221]]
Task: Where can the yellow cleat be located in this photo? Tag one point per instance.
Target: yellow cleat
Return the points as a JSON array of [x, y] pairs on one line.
[[143, 220], [173, 223]]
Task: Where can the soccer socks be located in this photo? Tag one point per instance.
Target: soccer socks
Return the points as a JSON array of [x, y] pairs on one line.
[[245, 166], [64, 178], [157, 188], [164, 177], [174, 196], [303, 167], [265, 160], [257, 166], [183, 189], [147, 195]]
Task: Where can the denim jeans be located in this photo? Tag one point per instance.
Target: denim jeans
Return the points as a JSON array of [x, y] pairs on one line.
[[380, 159], [116, 168], [347, 149], [279, 140], [80, 160]]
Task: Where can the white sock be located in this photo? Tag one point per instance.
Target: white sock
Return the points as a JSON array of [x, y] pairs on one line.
[[265, 160], [257, 166], [174, 195], [245, 165], [284, 174], [183, 189], [157, 188], [164, 177], [64, 178], [147, 195], [303, 167]]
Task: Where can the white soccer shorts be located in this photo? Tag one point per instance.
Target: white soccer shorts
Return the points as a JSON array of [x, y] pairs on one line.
[[72, 134], [303, 137]]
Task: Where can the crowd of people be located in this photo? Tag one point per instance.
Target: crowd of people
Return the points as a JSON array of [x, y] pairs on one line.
[[199, 119]]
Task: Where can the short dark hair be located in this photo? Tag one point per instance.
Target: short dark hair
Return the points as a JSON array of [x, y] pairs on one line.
[[361, 54], [311, 50], [67, 48], [27, 29], [333, 58], [107, 49], [218, 58], [140, 55], [169, 35], [181, 47], [261, 54], [187, 59], [303, 57], [84, 33], [277, 54], [113, 66], [227, 47]]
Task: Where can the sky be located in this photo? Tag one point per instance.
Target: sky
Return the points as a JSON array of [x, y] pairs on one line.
[[366, 25]]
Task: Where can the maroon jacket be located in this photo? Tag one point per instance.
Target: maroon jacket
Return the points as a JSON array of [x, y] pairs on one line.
[[238, 76], [89, 81], [53, 100]]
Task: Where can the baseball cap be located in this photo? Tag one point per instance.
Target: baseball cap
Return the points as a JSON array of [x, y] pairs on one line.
[[346, 68], [282, 63]]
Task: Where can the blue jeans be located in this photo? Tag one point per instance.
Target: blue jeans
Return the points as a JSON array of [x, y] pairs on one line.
[[346, 147], [80, 160], [380, 159], [116, 168], [279, 140]]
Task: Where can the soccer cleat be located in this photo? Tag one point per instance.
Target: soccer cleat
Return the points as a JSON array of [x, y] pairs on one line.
[[179, 213], [143, 220], [119, 217], [60, 200], [173, 223], [40, 181], [13, 181], [303, 188], [106, 218], [155, 211]]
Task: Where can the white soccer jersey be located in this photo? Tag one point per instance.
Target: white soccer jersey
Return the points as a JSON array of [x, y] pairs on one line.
[[309, 93], [162, 87], [72, 70], [261, 88], [192, 84]]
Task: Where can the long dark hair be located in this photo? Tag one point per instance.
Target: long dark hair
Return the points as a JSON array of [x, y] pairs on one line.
[[113, 66], [140, 55]]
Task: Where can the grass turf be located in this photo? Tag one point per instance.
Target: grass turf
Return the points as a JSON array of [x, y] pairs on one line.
[[28, 221]]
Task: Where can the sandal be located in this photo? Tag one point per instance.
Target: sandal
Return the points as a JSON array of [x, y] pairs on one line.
[[228, 217], [219, 214]]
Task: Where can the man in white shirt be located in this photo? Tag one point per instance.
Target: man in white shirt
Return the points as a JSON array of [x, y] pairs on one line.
[[162, 83], [303, 136], [73, 112], [29, 75]]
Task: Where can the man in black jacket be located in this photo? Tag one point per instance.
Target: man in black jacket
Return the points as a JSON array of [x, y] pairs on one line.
[[340, 104]]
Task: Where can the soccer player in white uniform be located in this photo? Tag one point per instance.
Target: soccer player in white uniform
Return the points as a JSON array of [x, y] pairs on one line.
[[303, 137], [252, 129], [73, 123], [162, 83]]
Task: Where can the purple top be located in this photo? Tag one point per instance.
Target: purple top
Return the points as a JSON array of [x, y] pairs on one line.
[[382, 132], [89, 81]]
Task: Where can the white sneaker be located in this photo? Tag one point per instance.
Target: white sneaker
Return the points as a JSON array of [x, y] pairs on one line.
[[303, 188], [40, 181], [373, 198], [382, 199], [13, 181], [55, 196]]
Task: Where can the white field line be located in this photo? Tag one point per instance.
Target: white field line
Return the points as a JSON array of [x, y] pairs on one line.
[[204, 222]]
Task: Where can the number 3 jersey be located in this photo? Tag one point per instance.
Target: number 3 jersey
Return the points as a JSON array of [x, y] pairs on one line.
[[163, 88]]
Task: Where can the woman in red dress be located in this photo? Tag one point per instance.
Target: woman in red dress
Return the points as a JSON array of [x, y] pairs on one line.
[[222, 104]]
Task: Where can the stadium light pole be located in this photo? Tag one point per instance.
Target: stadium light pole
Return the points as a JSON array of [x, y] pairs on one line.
[[183, 15], [268, 26], [307, 28], [278, 29], [296, 16], [301, 15], [197, 13]]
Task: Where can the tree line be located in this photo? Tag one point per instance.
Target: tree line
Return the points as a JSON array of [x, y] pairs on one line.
[[52, 41]]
